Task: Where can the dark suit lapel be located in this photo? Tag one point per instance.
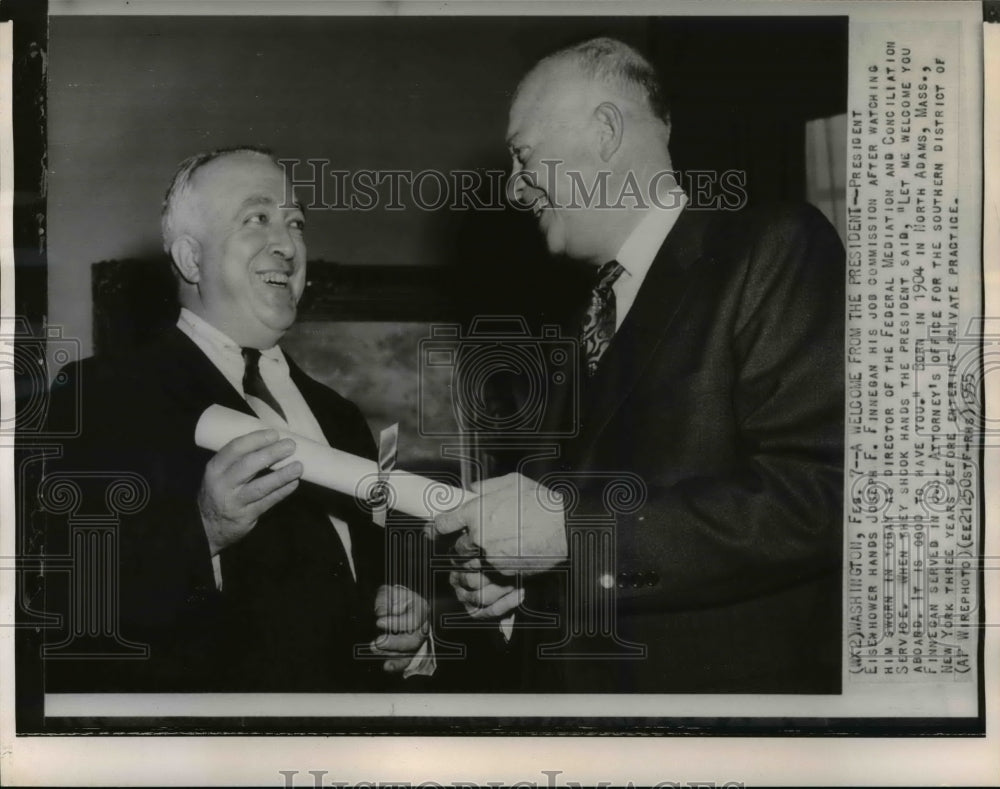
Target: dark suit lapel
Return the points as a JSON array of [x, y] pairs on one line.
[[678, 265], [191, 378]]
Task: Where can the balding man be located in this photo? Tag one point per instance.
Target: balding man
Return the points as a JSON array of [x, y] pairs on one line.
[[711, 397], [237, 574]]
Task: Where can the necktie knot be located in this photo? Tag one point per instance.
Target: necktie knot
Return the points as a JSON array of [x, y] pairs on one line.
[[252, 358], [607, 275], [253, 383]]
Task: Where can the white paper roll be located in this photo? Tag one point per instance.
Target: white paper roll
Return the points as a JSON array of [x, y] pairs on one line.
[[411, 494]]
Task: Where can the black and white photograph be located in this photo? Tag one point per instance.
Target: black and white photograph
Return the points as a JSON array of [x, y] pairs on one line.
[[480, 370]]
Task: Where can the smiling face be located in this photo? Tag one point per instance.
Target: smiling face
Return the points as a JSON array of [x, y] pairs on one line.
[[554, 143], [243, 256]]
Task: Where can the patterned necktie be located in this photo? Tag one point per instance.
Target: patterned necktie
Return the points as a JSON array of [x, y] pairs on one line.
[[599, 318], [253, 384]]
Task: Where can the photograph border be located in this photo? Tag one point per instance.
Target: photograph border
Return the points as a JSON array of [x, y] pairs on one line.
[[329, 300]]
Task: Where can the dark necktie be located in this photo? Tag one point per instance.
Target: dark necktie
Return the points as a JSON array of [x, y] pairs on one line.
[[254, 385], [599, 318]]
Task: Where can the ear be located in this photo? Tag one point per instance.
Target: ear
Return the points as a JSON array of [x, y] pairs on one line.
[[186, 252], [611, 125]]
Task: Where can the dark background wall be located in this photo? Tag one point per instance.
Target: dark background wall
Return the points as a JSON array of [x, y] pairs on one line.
[[129, 97]]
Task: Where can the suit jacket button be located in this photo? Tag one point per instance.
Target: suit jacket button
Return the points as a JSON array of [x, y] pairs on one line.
[[606, 581]]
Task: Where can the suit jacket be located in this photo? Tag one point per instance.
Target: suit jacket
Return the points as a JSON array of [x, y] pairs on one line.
[[289, 613], [708, 470]]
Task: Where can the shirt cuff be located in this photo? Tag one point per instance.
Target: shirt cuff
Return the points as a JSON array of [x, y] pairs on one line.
[[424, 661], [217, 570], [507, 627]]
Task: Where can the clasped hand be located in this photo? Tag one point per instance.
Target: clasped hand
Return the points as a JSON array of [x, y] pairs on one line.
[[403, 617], [513, 526]]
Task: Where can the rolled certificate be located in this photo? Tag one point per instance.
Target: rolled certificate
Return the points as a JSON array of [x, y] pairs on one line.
[[411, 494]]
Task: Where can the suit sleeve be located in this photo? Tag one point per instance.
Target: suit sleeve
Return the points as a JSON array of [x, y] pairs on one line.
[[773, 518], [166, 590]]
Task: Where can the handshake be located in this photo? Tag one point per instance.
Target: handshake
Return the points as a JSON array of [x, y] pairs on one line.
[[514, 525], [511, 525]]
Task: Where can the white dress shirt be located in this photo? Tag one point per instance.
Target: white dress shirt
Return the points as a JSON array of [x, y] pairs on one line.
[[227, 356], [638, 252]]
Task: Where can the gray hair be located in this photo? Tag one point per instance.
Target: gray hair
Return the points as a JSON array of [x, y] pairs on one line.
[[615, 63], [180, 185]]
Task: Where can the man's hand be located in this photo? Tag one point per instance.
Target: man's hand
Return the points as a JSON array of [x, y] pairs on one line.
[[232, 497], [402, 616], [515, 523], [482, 597]]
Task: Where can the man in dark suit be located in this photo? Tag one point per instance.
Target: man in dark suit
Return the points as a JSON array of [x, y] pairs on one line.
[[688, 537], [236, 574]]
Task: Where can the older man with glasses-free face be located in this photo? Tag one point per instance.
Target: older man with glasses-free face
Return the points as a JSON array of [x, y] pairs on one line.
[[711, 387], [237, 574]]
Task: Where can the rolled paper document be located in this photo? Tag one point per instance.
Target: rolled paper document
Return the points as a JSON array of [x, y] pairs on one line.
[[416, 496]]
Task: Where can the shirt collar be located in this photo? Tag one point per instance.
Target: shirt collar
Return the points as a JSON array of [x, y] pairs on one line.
[[639, 250], [221, 340]]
